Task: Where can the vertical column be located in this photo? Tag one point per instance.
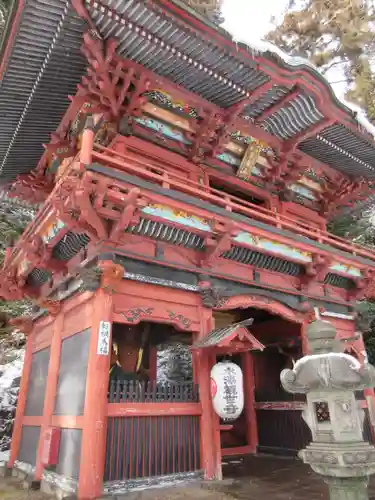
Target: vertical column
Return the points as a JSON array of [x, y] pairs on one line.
[[88, 137], [95, 414], [153, 363], [210, 432], [249, 387], [305, 347], [51, 387], [21, 404]]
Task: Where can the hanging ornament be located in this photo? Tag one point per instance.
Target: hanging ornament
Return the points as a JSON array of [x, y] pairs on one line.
[[249, 160], [227, 390]]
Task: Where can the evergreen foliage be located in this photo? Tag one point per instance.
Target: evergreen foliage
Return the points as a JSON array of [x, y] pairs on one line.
[[338, 36]]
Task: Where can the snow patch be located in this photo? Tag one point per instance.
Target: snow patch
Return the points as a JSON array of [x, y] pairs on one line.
[[11, 365], [356, 365], [4, 457]]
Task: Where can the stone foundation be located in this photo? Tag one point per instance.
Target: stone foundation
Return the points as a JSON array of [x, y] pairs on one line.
[[121, 487], [57, 485]]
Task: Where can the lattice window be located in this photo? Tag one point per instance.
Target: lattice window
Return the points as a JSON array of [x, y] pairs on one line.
[[322, 412]]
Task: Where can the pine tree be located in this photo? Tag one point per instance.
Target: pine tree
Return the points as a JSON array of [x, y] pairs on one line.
[[338, 36], [14, 217]]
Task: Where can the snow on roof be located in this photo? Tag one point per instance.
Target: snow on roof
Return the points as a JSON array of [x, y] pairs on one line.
[[264, 47]]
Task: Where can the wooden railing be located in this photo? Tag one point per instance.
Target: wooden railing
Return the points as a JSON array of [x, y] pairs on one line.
[[142, 167], [153, 430], [125, 391], [135, 165]]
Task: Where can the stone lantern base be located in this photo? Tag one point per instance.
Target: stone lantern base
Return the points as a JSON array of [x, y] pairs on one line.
[[348, 488], [344, 467]]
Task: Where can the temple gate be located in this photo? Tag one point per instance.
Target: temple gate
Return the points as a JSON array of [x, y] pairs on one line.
[[180, 220]]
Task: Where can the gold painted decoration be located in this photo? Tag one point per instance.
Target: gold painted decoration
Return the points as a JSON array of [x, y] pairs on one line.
[[162, 98], [250, 159], [106, 133], [80, 119]]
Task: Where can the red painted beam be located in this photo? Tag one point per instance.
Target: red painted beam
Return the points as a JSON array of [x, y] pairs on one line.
[[240, 450], [32, 420], [153, 409], [280, 405]]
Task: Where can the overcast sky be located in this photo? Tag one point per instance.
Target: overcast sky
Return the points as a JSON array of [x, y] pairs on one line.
[[249, 20]]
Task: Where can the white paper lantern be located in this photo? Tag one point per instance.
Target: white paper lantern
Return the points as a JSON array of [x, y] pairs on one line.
[[227, 390]]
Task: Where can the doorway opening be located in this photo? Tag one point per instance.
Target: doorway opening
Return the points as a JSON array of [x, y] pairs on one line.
[[262, 420]]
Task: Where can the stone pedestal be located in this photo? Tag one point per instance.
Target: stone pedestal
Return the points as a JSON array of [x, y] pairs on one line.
[[349, 488]]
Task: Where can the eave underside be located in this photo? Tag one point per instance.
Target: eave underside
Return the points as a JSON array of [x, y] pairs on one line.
[[46, 65]]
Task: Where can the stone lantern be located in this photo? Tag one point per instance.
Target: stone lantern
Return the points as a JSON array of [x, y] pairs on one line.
[[329, 378]]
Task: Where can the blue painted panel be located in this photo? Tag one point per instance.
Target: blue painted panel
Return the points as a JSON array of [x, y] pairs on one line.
[[274, 247], [163, 128]]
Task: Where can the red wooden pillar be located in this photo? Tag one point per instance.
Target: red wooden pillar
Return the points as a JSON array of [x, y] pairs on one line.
[[87, 144], [88, 138], [209, 431], [21, 403], [51, 387], [249, 387], [94, 431]]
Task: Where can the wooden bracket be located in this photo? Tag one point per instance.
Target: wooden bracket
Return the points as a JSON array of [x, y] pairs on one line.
[[112, 274], [316, 270], [218, 243], [110, 85], [52, 306], [130, 215]]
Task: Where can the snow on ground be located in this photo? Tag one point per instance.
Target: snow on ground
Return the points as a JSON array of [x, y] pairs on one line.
[[4, 456], [11, 364]]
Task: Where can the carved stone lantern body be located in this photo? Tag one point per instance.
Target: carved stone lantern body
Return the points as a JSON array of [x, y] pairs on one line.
[[329, 378]]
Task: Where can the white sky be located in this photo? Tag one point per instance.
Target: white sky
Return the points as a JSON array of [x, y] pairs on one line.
[[249, 20]]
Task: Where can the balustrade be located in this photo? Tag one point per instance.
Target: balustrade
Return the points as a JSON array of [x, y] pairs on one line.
[[135, 164]]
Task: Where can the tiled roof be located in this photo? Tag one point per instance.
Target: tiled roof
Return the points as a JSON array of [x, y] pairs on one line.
[[222, 335]]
